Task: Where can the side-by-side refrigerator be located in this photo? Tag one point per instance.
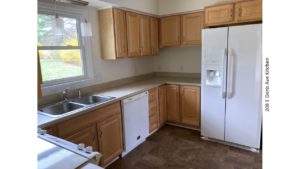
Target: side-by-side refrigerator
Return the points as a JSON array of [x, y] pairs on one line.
[[231, 86]]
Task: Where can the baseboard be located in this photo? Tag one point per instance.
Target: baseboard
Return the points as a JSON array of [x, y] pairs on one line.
[[183, 126]]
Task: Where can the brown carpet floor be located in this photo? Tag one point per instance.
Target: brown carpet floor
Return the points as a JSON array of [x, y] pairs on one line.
[[177, 148]]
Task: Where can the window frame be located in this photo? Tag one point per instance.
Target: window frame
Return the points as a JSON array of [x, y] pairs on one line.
[[79, 14]]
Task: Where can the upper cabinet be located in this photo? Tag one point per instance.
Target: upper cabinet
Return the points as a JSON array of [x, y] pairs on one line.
[[133, 34], [145, 43], [233, 13], [191, 25], [113, 34], [169, 31], [246, 11], [181, 30], [120, 32], [126, 34], [219, 15], [154, 36]]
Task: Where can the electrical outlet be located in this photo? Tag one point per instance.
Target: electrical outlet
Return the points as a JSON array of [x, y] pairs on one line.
[[181, 68]]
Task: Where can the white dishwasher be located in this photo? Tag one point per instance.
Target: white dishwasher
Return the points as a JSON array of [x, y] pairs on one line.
[[135, 121]]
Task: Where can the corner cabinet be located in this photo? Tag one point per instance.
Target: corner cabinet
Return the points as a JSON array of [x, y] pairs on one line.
[[169, 31], [191, 25], [190, 105], [154, 36], [113, 33], [172, 100]]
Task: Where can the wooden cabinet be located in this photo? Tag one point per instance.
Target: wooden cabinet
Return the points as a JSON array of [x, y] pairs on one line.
[[133, 34], [154, 36], [190, 105], [145, 35], [191, 26], [113, 33], [233, 13], [162, 92], [120, 32], [52, 130], [153, 109], [169, 31], [88, 136], [219, 15], [246, 11], [110, 138], [101, 128], [173, 103], [39, 78]]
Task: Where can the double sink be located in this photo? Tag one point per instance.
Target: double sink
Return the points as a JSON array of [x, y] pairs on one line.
[[69, 106]]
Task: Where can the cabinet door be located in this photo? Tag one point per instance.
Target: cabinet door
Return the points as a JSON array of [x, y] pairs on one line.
[[219, 15], [133, 34], [248, 11], [39, 80], [162, 92], [120, 32], [190, 105], [173, 103], [88, 136], [169, 31], [145, 35], [153, 109], [192, 25], [110, 138], [154, 36], [52, 130]]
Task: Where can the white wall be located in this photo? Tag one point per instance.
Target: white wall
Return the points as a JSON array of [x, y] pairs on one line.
[[184, 59], [174, 6], [148, 6]]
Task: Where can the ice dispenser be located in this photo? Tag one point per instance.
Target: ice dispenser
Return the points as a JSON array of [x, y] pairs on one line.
[[213, 72]]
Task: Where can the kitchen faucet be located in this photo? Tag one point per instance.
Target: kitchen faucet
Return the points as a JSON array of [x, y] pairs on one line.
[[65, 95]]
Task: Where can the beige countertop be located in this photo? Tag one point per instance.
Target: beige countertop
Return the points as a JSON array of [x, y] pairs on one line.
[[120, 93]]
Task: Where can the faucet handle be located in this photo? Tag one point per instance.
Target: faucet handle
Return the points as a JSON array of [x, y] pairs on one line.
[[79, 93]]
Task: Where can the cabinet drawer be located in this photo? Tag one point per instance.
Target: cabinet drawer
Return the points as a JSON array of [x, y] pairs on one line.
[[72, 125], [219, 15]]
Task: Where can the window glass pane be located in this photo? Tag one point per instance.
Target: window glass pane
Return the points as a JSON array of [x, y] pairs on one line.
[[49, 33], [59, 64]]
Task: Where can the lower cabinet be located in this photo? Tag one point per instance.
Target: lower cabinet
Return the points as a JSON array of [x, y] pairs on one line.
[[153, 109], [110, 138], [162, 93], [190, 105], [172, 98], [101, 128], [181, 104], [88, 136]]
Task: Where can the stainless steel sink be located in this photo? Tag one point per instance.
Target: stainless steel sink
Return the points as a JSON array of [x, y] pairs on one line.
[[88, 100], [60, 109]]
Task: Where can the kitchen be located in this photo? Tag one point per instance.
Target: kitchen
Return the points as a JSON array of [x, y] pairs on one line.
[[150, 84], [115, 117]]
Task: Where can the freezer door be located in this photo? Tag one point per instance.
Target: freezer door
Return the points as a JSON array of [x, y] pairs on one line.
[[243, 104], [213, 82]]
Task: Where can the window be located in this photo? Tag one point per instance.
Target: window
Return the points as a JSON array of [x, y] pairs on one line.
[[61, 51]]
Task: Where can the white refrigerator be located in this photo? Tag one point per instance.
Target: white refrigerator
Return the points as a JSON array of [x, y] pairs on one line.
[[231, 77]]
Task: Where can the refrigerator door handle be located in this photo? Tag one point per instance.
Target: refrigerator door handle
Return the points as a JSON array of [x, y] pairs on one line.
[[223, 88], [230, 74]]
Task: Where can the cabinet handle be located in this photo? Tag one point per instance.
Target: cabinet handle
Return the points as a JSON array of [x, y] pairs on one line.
[[231, 12], [100, 134]]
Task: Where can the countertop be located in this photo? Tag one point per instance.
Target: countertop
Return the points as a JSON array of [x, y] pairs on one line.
[[120, 93]]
